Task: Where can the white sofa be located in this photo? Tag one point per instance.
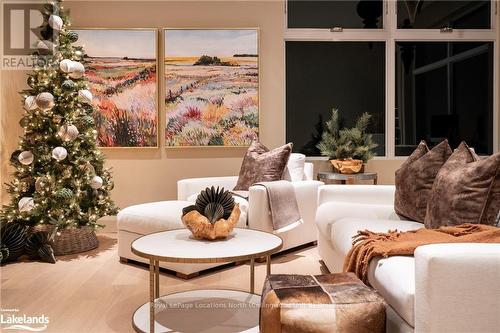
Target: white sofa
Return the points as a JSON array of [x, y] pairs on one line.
[[259, 217], [443, 288], [143, 219]]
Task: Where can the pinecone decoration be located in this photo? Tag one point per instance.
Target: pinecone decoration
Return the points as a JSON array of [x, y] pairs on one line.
[[72, 36], [64, 194]]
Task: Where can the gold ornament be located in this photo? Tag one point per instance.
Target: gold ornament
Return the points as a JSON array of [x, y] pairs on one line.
[[41, 184], [57, 119]]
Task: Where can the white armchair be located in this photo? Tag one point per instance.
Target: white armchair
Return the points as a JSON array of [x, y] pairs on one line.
[[443, 288], [258, 204]]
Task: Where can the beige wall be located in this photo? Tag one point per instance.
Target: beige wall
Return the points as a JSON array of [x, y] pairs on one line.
[[148, 175]]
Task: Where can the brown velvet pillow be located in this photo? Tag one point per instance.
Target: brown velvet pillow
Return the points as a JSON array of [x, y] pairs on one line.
[[415, 177], [262, 165], [466, 190]]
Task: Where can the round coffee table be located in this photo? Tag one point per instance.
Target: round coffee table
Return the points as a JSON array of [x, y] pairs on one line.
[[216, 310]]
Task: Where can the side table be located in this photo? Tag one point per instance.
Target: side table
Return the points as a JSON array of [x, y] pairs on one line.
[[347, 178]]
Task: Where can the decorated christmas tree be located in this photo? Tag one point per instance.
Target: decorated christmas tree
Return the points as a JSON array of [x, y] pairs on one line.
[[59, 180]]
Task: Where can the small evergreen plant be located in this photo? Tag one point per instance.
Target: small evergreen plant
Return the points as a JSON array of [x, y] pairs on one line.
[[342, 143]]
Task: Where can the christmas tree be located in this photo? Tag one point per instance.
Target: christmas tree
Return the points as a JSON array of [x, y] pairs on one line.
[[59, 178]]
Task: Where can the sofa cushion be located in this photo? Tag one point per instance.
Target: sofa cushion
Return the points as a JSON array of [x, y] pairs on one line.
[[294, 170], [415, 177], [262, 165], [152, 217], [393, 277], [466, 190]]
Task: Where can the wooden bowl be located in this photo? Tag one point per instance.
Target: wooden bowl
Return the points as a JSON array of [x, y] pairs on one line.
[[347, 166], [201, 227]]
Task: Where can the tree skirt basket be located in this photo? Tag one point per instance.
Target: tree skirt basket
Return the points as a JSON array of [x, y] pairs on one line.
[[72, 240]]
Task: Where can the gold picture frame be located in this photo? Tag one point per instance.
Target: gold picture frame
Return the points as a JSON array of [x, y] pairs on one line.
[[250, 128], [147, 136]]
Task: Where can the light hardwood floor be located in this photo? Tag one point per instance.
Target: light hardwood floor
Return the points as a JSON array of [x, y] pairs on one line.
[[94, 292]]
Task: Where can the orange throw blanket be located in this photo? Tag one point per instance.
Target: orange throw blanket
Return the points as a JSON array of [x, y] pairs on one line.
[[368, 245]]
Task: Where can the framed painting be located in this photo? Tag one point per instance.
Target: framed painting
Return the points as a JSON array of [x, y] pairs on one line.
[[211, 87], [121, 70]]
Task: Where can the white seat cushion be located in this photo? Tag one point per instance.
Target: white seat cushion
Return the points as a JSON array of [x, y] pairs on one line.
[[393, 277], [152, 217]]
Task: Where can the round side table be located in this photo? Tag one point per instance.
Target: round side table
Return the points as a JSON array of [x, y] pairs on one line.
[[345, 178], [216, 310]]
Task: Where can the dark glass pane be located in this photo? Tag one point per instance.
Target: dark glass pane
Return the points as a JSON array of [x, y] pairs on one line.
[[444, 90], [320, 76], [332, 13], [429, 14]]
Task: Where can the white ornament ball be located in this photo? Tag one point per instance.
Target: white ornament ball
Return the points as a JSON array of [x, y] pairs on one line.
[[68, 132], [77, 70], [25, 158], [59, 153], [85, 95], [66, 65], [30, 103], [55, 22], [45, 101], [26, 204], [96, 182]]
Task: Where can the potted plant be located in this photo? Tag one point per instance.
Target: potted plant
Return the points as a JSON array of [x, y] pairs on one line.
[[347, 148]]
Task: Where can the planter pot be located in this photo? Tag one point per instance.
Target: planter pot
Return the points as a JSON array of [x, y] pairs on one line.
[[201, 227], [347, 166]]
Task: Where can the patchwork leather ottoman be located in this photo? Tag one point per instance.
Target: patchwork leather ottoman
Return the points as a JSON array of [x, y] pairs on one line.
[[321, 304]]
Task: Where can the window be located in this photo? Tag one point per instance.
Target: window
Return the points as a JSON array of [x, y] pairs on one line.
[[326, 75], [330, 14], [444, 90], [418, 80], [461, 14]]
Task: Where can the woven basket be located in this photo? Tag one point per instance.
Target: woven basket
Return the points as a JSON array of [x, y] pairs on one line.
[[72, 240]]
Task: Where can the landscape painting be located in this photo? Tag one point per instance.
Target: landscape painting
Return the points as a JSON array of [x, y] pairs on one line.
[[211, 87], [121, 70]]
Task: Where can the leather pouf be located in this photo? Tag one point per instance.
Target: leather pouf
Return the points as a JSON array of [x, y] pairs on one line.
[[320, 304]]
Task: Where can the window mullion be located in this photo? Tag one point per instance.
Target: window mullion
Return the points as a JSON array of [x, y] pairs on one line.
[[390, 79]]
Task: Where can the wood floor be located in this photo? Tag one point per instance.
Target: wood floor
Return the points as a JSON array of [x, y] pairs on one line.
[[94, 292]]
